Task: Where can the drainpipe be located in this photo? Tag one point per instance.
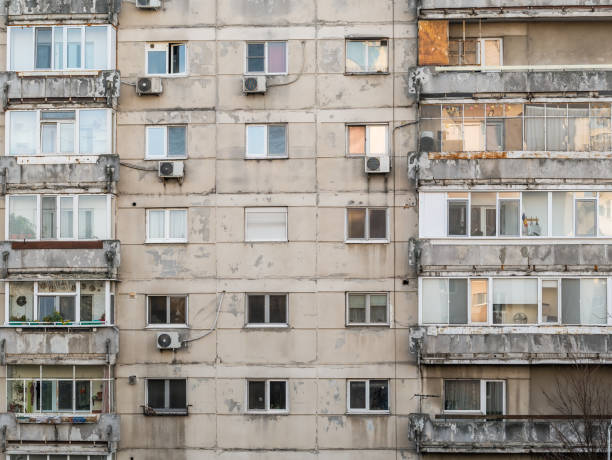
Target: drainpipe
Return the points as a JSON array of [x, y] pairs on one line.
[[609, 428]]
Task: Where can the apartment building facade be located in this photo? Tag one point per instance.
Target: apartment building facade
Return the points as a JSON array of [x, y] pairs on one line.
[[297, 228]]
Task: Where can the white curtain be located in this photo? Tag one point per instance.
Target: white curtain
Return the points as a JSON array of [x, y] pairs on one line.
[[462, 395], [178, 223], [593, 301], [434, 299], [156, 224], [22, 48]]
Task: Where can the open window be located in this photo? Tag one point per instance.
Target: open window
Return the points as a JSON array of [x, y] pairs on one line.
[[166, 58]]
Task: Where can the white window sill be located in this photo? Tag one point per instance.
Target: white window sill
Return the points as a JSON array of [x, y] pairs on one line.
[[368, 412], [166, 241], [268, 412], [265, 74], [60, 73], [386, 241], [38, 159], [368, 72], [266, 326], [167, 326], [167, 75], [278, 157], [166, 158], [368, 325], [266, 241]]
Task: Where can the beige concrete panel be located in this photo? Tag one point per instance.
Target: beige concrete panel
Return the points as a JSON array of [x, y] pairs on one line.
[[303, 310], [515, 50], [266, 431], [406, 218], [303, 397], [348, 198], [389, 454], [355, 10], [406, 308], [406, 402], [272, 12], [302, 224], [477, 372], [264, 260], [130, 398], [356, 345], [177, 92], [162, 370], [332, 31], [201, 58], [331, 396], [233, 311], [230, 224], [331, 140], [230, 141], [155, 432], [348, 174], [518, 397], [404, 53], [403, 182], [214, 454], [339, 91], [141, 347], [201, 225], [402, 261], [170, 286], [266, 199], [355, 260], [331, 56], [130, 312], [131, 62], [331, 310], [272, 345], [230, 57], [204, 115], [201, 141], [302, 140], [130, 142], [402, 347], [265, 176], [356, 431], [184, 12], [131, 225], [331, 223], [231, 395]]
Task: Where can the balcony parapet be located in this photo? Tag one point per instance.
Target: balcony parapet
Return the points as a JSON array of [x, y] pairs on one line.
[[512, 345], [513, 9], [495, 434], [63, 11]]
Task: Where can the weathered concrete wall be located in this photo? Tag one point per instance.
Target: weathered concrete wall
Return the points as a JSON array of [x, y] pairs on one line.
[[449, 4], [62, 7]]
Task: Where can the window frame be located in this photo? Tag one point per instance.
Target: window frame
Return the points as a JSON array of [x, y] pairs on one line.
[[366, 239], [267, 410], [167, 325], [266, 323], [262, 209], [67, 456], [367, 410], [482, 394], [347, 40], [167, 410], [168, 51], [368, 322], [266, 57], [367, 140], [267, 155], [166, 131], [167, 238]]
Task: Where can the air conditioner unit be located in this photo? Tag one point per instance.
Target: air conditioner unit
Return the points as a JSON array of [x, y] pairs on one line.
[[377, 164], [149, 85], [253, 85], [168, 340], [170, 169], [148, 4]]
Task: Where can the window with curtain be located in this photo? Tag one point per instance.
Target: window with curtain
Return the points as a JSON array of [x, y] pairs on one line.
[[584, 301], [166, 225], [515, 301], [265, 224]]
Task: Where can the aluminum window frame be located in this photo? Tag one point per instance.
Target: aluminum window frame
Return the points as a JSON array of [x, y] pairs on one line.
[[167, 238], [266, 146], [266, 57], [364, 40], [368, 322], [367, 239], [367, 410], [267, 410], [266, 323], [167, 325], [482, 394]]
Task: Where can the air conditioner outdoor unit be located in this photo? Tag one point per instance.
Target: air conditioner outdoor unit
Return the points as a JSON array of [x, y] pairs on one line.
[[148, 4], [168, 340], [170, 169], [377, 164], [253, 85], [149, 85]]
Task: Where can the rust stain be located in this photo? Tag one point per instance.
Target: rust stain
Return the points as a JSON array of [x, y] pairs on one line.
[[433, 42], [467, 155], [57, 245]]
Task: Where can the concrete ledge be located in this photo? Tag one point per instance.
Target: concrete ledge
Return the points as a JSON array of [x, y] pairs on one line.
[[69, 8]]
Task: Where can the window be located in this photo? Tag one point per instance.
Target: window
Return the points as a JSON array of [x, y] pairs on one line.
[[267, 309], [166, 141], [166, 396], [486, 52], [58, 302], [266, 57], [367, 56], [166, 58], [265, 224], [167, 310], [58, 389], [266, 141], [367, 139], [368, 396], [372, 309], [61, 48], [514, 301], [59, 132], [476, 396], [166, 225], [58, 217], [56, 457], [267, 396], [366, 224]]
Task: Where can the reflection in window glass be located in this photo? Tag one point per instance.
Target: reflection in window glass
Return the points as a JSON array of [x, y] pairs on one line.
[[508, 217], [479, 301], [585, 218], [457, 218], [515, 301], [605, 214], [22, 217], [483, 215], [562, 213], [434, 298], [584, 301], [550, 301], [535, 214]]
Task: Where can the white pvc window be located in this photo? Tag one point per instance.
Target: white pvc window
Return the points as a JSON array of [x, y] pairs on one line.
[[367, 56], [166, 225], [266, 141], [266, 58], [166, 141], [475, 396], [267, 396], [267, 310], [265, 224], [367, 140], [166, 58], [367, 308], [367, 396], [367, 225]]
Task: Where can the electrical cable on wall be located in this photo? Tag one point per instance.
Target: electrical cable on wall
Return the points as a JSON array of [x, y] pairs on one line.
[[213, 327]]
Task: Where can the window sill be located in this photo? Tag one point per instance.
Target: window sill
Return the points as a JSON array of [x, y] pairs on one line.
[[285, 157], [368, 412], [167, 326], [39, 159], [84, 325], [167, 75], [366, 241], [166, 242], [267, 412], [60, 73], [182, 158], [151, 412], [264, 74], [266, 241], [381, 325], [266, 326], [57, 419], [385, 72]]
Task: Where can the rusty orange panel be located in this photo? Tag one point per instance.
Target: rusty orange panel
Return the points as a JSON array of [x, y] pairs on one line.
[[433, 42]]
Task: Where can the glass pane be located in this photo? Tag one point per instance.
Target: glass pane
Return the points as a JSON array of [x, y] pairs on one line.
[[377, 56], [495, 398], [48, 135], [495, 134], [67, 308], [43, 48], [593, 301], [178, 223], [83, 395], [93, 134], [48, 217], [356, 223], [479, 301], [550, 301], [513, 134], [579, 134], [257, 309], [431, 135], [277, 140], [378, 223], [605, 213], [357, 392], [66, 137], [156, 62], [256, 141], [73, 48], [473, 135], [46, 309], [357, 308], [508, 218], [277, 61], [585, 218], [278, 395], [58, 372], [178, 394], [156, 224], [58, 48], [95, 48], [452, 139], [379, 395], [570, 301], [256, 57], [534, 134], [96, 292], [378, 308], [15, 396], [462, 395], [177, 141], [22, 52], [377, 139], [483, 214], [66, 217], [278, 309], [457, 289], [156, 390], [178, 58], [556, 133], [21, 301], [22, 217], [92, 217], [535, 214], [355, 56], [266, 225], [600, 133], [457, 218], [357, 136], [562, 213], [155, 141], [64, 395], [86, 307], [178, 310], [435, 301], [23, 133], [158, 309], [515, 301], [257, 395]]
